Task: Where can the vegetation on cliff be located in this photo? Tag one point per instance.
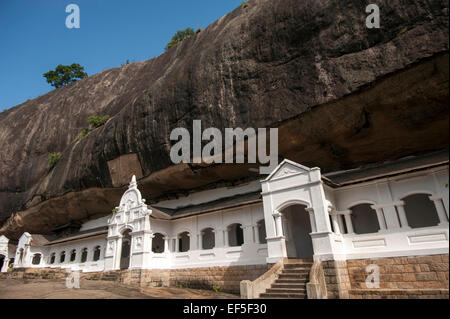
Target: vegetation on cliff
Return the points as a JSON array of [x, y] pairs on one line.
[[65, 74], [180, 36]]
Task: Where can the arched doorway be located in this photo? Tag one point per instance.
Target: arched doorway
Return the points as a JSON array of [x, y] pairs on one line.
[[297, 229], [2, 261], [126, 250]]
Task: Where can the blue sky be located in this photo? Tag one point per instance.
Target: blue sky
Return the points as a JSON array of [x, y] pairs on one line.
[[34, 38]]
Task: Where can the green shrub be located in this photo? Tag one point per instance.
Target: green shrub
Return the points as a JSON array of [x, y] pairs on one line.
[[217, 288], [94, 122], [180, 36], [83, 133], [97, 121], [244, 4], [53, 158]]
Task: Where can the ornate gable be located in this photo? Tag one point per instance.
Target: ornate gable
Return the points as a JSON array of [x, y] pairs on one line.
[[132, 209], [287, 168]]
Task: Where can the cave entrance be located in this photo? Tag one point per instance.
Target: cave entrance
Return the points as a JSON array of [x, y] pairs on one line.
[[126, 250]]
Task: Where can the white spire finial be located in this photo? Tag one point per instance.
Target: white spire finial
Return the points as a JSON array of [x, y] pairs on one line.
[[133, 183]]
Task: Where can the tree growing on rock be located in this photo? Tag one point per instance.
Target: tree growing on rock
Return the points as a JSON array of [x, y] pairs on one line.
[[65, 74], [180, 36]]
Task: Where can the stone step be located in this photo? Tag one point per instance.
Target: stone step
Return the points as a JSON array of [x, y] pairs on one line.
[[283, 296], [296, 271], [292, 276], [295, 280], [298, 261], [303, 265], [289, 285], [286, 290]]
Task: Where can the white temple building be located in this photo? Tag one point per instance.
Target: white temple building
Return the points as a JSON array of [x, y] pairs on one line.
[[391, 209]]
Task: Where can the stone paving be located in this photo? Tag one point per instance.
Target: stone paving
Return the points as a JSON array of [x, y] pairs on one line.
[[56, 289]]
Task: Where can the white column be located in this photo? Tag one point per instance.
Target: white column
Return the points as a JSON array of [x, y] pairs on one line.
[[340, 222], [177, 244], [225, 237], [89, 256], [385, 200], [380, 216], [437, 200], [256, 232], [348, 221], [312, 219], [199, 241], [215, 238], [401, 214], [117, 254], [218, 238], [192, 242], [248, 234], [278, 223], [174, 244], [334, 219], [166, 244]]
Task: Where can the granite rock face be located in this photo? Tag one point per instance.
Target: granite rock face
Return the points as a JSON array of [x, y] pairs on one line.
[[341, 94]]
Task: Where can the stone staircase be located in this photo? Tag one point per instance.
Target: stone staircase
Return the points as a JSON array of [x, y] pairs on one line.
[[291, 283], [114, 275]]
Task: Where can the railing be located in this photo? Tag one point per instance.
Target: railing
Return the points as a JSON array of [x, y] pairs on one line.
[[253, 289]]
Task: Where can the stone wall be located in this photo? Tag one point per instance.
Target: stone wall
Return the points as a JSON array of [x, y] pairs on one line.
[[227, 279], [399, 294], [403, 272], [402, 277], [336, 279], [34, 273]]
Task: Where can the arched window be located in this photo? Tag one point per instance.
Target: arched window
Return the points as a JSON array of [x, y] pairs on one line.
[[84, 254], [158, 243], [36, 259], [208, 238], [364, 219], [62, 257], [420, 211], [262, 231], [235, 235], [52, 258], [96, 253], [183, 242], [73, 255]]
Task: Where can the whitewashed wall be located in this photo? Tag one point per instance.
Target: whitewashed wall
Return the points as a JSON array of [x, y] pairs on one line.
[[291, 184], [395, 237], [250, 253], [4, 251], [46, 251]]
